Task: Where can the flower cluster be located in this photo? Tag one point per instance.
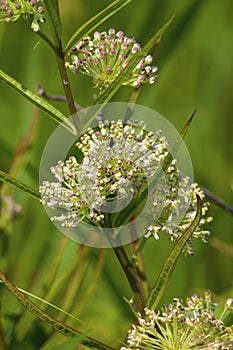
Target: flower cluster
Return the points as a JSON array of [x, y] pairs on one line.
[[106, 55], [30, 10], [119, 160], [175, 218], [183, 326]]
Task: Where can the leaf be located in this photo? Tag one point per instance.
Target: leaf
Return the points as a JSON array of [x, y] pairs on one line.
[[37, 101], [50, 304], [52, 10], [110, 91], [95, 21], [158, 289], [58, 326], [29, 191], [184, 130], [56, 5]]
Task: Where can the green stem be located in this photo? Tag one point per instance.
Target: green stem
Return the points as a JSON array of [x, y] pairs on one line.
[[43, 93], [139, 264], [140, 268], [56, 29], [138, 250], [129, 270], [131, 275], [217, 200], [67, 88], [47, 40]]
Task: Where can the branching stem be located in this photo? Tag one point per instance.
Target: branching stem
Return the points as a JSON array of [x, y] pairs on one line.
[[67, 89], [47, 40], [42, 92], [217, 200], [131, 275]]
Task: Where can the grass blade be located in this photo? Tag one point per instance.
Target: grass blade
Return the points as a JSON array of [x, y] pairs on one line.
[[95, 21], [50, 321], [158, 289], [29, 191], [37, 101]]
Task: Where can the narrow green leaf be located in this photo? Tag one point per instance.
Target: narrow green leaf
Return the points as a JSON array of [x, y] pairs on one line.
[[56, 5], [184, 131], [95, 21], [50, 304], [54, 20], [29, 191], [58, 326], [110, 91], [158, 289], [37, 101]]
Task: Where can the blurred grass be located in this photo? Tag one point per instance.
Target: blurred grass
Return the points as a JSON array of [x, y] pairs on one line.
[[195, 61]]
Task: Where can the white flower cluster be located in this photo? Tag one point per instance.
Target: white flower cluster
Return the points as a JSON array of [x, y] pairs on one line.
[[184, 326], [119, 161], [174, 218]]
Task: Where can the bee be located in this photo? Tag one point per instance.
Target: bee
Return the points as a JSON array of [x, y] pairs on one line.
[[111, 142]]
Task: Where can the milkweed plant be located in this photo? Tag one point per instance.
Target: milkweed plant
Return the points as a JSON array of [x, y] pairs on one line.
[[119, 182]]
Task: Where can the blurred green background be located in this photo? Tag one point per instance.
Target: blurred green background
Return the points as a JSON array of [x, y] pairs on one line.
[[195, 60]]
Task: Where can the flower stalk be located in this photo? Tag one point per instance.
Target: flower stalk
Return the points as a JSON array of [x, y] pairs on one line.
[[53, 14], [67, 88], [132, 277]]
